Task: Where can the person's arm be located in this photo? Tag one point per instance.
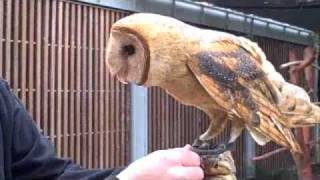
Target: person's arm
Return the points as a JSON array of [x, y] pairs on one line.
[[32, 155]]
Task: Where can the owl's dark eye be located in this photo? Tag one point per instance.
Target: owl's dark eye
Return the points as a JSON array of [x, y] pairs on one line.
[[129, 50]]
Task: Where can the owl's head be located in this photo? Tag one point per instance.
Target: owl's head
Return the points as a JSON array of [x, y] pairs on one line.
[[142, 48]]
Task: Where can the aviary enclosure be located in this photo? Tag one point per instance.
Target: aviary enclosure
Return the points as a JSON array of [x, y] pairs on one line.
[[52, 53]]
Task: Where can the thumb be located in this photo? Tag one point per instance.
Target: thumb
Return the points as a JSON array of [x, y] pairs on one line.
[[188, 147]]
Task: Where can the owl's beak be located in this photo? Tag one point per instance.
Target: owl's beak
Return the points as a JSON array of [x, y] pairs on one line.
[[121, 76], [122, 80]]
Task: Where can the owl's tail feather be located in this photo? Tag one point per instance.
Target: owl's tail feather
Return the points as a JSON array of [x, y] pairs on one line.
[[305, 114]]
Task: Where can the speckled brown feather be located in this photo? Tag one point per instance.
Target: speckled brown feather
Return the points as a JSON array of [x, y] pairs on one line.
[[235, 80]]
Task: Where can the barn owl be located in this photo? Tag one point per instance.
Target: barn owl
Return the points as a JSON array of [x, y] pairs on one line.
[[226, 76]]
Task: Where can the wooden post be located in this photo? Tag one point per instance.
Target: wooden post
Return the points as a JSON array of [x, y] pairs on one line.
[[302, 161]]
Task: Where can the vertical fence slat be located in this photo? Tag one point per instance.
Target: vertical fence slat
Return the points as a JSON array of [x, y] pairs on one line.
[[45, 69], [122, 129], [117, 135], [96, 88], [78, 115], [23, 57], [162, 118], [112, 105], [37, 77], [15, 63], [8, 40], [67, 91], [72, 88], [102, 119], [31, 65], [122, 118], [58, 85], [84, 88], [2, 23], [52, 79], [90, 89], [107, 94]]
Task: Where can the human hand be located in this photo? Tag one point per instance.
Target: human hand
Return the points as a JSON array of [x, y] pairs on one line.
[[171, 164]]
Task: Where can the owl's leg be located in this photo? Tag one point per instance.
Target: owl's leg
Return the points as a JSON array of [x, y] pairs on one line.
[[237, 127], [213, 155], [204, 144], [217, 124]]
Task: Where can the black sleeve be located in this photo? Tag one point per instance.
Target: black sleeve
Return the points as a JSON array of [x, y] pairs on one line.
[[33, 156]]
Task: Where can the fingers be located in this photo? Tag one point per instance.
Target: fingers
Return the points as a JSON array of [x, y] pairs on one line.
[[188, 147], [180, 172], [189, 158], [184, 156]]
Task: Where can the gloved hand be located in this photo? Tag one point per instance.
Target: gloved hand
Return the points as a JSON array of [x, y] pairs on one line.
[[219, 167]]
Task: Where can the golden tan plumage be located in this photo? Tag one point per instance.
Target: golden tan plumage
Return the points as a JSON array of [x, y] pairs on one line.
[[227, 77]]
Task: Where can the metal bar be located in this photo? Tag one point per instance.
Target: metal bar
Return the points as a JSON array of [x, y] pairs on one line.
[[139, 122], [250, 152], [212, 12]]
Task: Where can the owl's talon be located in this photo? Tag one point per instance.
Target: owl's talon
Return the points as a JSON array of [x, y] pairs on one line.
[[208, 148], [196, 143]]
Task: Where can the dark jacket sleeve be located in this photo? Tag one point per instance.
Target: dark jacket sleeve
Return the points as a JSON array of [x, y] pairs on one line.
[[32, 154]]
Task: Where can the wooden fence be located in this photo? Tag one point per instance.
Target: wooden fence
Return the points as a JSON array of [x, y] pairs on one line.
[[52, 52]]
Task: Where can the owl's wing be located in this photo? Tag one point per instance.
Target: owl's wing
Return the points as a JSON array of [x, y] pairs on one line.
[[297, 107], [234, 79], [295, 102]]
